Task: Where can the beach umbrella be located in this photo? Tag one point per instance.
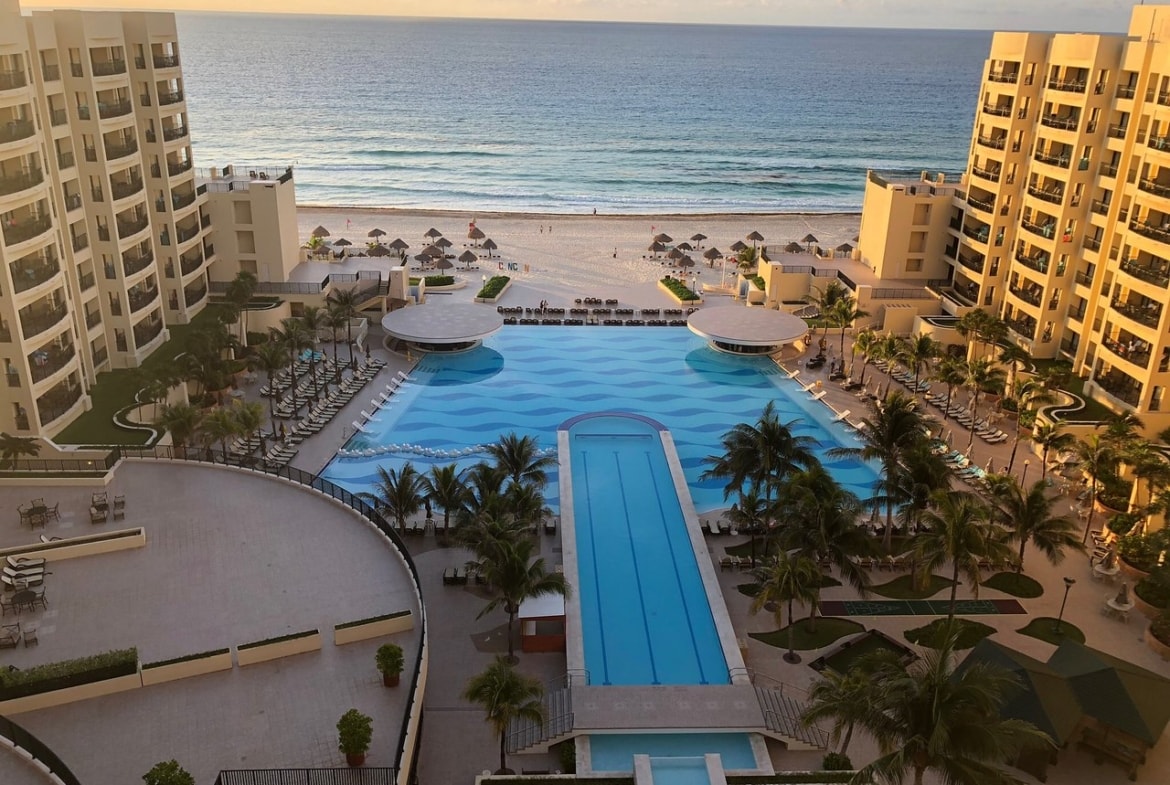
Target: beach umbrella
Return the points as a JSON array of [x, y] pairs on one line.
[[738, 246], [698, 238], [712, 253], [432, 233], [375, 234], [467, 257], [656, 248], [675, 254], [422, 257], [663, 238], [433, 252], [809, 239], [794, 247], [684, 246], [342, 243], [845, 248], [686, 261], [398, 244], [489, 245], [755, 237], [320, 231], [443, 264], [379, 250], [443, 242], [475, 233]]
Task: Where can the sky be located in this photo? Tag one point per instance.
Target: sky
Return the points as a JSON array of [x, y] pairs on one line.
[[1096, 16]]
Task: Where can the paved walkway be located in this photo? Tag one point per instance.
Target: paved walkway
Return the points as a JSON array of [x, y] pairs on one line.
[[231, 557]]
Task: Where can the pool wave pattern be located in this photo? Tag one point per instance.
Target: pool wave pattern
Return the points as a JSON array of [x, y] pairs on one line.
[[529, 380]]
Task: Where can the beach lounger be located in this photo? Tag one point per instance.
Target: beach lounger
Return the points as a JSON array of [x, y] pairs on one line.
[[404, 377], [808, 386], [793, 374], [818, 396], [367, 417], [358, 426], [842, 415]]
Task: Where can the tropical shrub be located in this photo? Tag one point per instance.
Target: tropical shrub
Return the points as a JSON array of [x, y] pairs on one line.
[[440, 280], [1122, 523], [835, 761], [1154, 589], [1142, 551], [493, 287], [758, 280], [1160, 627], [67, 673], [679, 289]]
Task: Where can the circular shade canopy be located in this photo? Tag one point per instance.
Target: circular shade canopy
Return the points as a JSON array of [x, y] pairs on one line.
[[741, 330], [443, 327]]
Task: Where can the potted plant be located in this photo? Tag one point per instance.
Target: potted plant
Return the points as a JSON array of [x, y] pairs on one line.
[[354, 732], [1152, 593], [168, 773], [1158, 635], [390, 663]]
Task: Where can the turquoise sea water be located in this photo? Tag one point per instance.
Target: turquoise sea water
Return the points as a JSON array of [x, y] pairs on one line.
[[566, 117]]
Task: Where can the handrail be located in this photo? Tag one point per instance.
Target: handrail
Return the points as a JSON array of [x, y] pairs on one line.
[[328, 776], [38, 751]]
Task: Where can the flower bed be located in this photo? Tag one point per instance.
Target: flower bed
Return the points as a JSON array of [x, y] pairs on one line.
[[494, 287], [679, 290]]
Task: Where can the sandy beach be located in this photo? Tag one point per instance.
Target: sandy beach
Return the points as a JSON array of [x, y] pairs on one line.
[[562, 257]]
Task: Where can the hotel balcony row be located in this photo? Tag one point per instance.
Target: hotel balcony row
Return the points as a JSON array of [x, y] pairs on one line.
[[1139, 309], [40, 316], [1128, 348], [59, 400], [33, 225], [1151, 269], [34, 269], [20, 181], [16, 131], [1119, 385]]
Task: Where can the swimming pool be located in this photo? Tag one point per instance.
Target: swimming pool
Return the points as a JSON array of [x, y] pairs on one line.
[[645, 617], [531, 379], [615, 752]]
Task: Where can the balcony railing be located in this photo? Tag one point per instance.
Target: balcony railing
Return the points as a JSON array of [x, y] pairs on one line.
[[93, 319], [1062, 123], [186, 233], [50, 72], [194, 295], [986, 174], [86, 281], [141, 298], [11, 80], [35, 320], [1122, 388], [1024, 329], [1148, 315], [1043, 230], [132, 226], [137, 262], [1159, 233], [1126, 91], [1099, 207], [208, 251], [1027, 296], [183, 200], [972, 262], [65, 160], [1037, 263], [979, 204], [1155, 274], [100, 355], [1139, 358], [1083, 278], [46, 362], [145, 333], [121, 190], [26, 230], [108, 110], [33, 271], [190, 261], [1154, 187], [1108, 170], [120, 150], [175, 168], [1066, 87], [166, 61], [1004, 77], [109, 67], [58, 117], [980, 234], [171, 134], [997, 111], [1159, 142], [994, 142], [15, 130], [57, 401], [21, 181], [1054, 160], [171, 97], [80, 242], [1053, 195], [1092, 244]]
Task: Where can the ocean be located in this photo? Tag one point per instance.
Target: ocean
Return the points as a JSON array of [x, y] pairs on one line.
[[570, 117]]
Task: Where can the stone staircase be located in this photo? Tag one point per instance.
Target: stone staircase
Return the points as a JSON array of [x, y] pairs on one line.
[[526, 735], [782, 720]]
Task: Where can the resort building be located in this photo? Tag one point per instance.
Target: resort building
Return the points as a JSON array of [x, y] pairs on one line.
[[104, 226]]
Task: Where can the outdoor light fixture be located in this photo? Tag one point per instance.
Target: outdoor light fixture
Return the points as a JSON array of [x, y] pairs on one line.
[[1068, 584]]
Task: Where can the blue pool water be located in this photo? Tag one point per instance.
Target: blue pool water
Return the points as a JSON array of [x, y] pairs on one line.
[[615, 752], [531, 379], [645, 618], [679, 771]]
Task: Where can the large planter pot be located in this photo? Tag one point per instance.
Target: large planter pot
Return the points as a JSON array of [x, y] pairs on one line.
[[1147, 610], [390, 679], [1131, 573], [1156, 646], [355, 760]]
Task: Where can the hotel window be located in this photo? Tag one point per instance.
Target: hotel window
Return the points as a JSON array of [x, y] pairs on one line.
[[913, 265]]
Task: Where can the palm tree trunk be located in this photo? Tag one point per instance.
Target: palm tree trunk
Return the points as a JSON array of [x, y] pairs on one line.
[[511, 622], [888, 534], [402, 525], [843, 328], [864, 365], [1092, 509], [1020, 561], [349, 337], [947, 408], [1015, 445], [974, 418], [791, 630], [503, 751], [848, 738], [918, 772], [1044, 463], [954, 591]]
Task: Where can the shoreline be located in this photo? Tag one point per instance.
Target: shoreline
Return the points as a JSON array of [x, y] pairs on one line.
[[437, 212]]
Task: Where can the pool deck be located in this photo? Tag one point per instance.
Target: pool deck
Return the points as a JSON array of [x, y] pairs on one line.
[[720, 707]]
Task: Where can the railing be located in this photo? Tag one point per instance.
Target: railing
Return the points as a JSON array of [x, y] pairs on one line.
[[11, 80], [986, 174], [981, 234], [1024, 329], [116, 150], [195, 295], [19, 182], [133, 263], [1029, 297], [1062, 123], [1140, 359], [1154, 187], [37, 749], [75, 69], [972, 262], [997, 111], [109, 67], [100, 355], [124, 189], [65, 160], [994, 142], [30, 274], [93, 319], [1054, 160], [172, 97], [44, 364], [91, 154], [80, 242], [1159, 142], [133, 226], [365, 775], [1053, 195], [26, 230], [58, 117], [189, 262], [1126, 91], [174, 169], [1000, 76], [979, 204], [1161, 234], [86, 281], [1156, 275], [57, 402], [166, 61], [185, 234], [15, 130], [1107, 170], [107, 111], [1099, 207], [35, 321], [1121, 389], [1085, 279], [145, 333], [51, 73], [141, 298], [1044, 230], [183, 200], [1038, 263], [919, 293], [1117, 131], [1066, 87], [1143, 315], [171, 134], [1092, 244]]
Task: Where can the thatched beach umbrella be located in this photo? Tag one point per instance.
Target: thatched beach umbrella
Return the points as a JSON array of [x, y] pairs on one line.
[[656, 248], [794, 247], [686, 261], [675, 254], [423, 258], [433, 252], [711, 255], [375, 234], [685, 246], [320, 231], [398, 244], [489, 245], [379, 250], [475, 234], [809, 239], [342, 243], [738, 246], [443, 264], [845, 248], [467, 257], [755, 237], [432, 233], [663, 238], [443, 242], [698, 239]]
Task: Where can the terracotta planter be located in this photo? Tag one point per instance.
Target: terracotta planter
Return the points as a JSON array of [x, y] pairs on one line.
[[355, 760], [1147, 610], [1156, 646], [1131, 573], [390, 679]]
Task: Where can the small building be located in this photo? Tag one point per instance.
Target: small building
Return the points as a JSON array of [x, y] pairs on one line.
[[542, 624]]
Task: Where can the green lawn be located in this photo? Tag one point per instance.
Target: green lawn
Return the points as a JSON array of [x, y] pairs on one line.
[[115, 390], [931, 636], [904, 588], [1017, 585], [1044, 628], [1093, 411], [805, 639], [752, 589]]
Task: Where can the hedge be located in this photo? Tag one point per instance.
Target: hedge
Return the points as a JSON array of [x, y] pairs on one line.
[[679, 289], [68, 673], [278, 639], [440, 280], [493, 287], [185, 658], [758, 280], [371, 620], [790, 777]]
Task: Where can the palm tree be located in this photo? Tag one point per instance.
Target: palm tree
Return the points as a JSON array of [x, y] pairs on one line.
[[13, 447], [294, 339], [520, 458], [826, 300], [514, 577], [842, 698], [443, 487], [314, 319], [919, 352], [485, 493], [1050, 437], [239, 294], [219, 426], [785, 579], [951, 371], [270, 358], [1011, 356], [1026, 393], [891, 432], [336, 318], [249, 418], [958, 531], [750, 513], [398, 492], [933, 717], [505, 695], [981, 327], [845, 312], [892, 349], [923, 474], [1122, 429], [1029, 518], [981, 375], [183, 421], [864, 343], [1095, 458], [820, 522], [346, 301]]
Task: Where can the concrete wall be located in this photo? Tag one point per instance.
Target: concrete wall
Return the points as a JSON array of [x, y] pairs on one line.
[[374, 629], [273, 651], [187, 668]]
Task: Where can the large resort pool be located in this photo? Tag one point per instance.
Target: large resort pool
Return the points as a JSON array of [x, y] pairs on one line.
[[532, 379]]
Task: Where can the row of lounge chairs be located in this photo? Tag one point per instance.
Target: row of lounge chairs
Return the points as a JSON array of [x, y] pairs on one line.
[[383, 399], [310, 386], [735, 563], [605, 322], [983, 429], [321, 414], [283, 380]]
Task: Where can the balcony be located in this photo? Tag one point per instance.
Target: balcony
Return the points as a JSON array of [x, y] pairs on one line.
[[1003, 77], [100, 355], [83, 112], [1099, 207], [1154, 187], [109, 68], [26, 230], [1121, 387], [190, 261], [34, 270], [1108, 170], [1025, 328], [1148, 315], [972, 261], [58, 401], [171, 134], [174, 169], [1054, 160], [86, 281], [1053, 195], [1159, 142], [171, 97], [998, 111], [979, 204], [15, 130], [34, 320], [1126, 91], [1033, 296], [1137, 357], [92, 319], [126, 188], [1159, 233], [44, 363], [132, 226], [58, 117], [1061, 123], [12, 80], [190, 297], [980, 234], [1092, 244], [136, 261], [986, 174], [22, 181], [1158, 274], [1085, 279], [1117, 131], [141, 298], [1066, 87], [166, 61], [80, 242], [65, 160], [116, 150], [1038, 263], [75, 69], [110, 110], [147, 332], [186, 233], [183, 200], [51, 73], [994, 142], [1046, 230]]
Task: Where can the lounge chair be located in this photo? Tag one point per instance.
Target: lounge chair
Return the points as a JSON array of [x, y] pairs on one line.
[[21, 563], [9, 636], [842, 415], [358, 426]]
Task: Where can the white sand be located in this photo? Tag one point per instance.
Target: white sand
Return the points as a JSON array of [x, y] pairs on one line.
[[570, 256]]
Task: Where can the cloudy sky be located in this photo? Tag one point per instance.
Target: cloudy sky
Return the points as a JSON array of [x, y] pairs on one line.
[[1076, 15]]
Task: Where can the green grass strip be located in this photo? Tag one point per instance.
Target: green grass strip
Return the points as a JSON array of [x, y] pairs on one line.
[[904, 588], [931, 636], [1044, 628], [1015, 584], [807, 637]]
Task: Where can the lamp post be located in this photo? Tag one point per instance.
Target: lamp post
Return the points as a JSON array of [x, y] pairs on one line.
[[1024, 476], [1068, 584], [483, 282]]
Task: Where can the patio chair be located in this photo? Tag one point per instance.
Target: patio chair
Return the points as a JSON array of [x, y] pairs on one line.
[[30, 636], [6, 604], [97, 516], [20, 563], [9, 636]]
